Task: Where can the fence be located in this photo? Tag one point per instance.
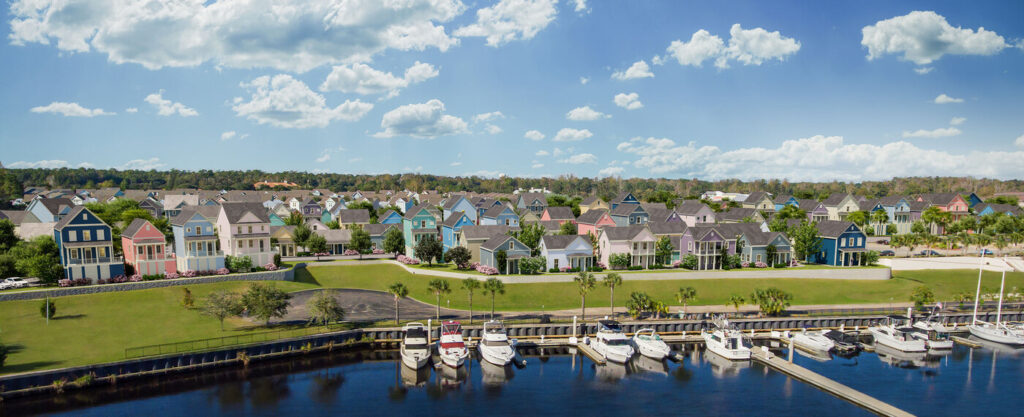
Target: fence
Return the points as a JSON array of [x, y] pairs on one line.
[[200, 345]]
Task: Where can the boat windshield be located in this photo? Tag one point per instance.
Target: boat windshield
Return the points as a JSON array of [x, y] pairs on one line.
[[616, 342], [488, 342], [416, 346]]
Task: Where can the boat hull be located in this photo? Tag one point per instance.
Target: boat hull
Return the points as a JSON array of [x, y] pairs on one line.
[[453, 361], [912, 345], [818, 343], [619, 354], [500, 356], [415, 360], [996, 335], [653, 350], [730, 354]]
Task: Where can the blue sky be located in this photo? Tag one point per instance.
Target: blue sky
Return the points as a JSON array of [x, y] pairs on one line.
[[801, 90]]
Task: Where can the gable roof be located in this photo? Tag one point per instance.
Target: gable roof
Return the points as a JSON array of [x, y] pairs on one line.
[[386, 214], [590, 200], [762, 238], [756, 197], [18, 216], [454, 219], [780, 199], [667, 228], [484, 231], [942, 199], [378, 229], [452, 201], [622, 196], [625, 209], [834, 199], [808, 205], [833, 228], [736, 214], [591, 216], [495, 241], [64, 221], [353, 216], [184, 216], [529, 198], [415, 210], [732, 231], [54, 205], [235, 211], [494, 212], [623, 232], [560, 213], [690, 207], [560, 241], [134, 227]]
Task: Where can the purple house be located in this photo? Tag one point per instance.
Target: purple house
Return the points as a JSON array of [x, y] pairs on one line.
[[705, 241], [815, 210]]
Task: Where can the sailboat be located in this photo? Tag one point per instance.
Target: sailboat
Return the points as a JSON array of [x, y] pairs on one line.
[[993, 332]]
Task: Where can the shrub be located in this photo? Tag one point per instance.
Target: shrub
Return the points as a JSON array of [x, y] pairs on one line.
[[350, 252], [677, 264], [553, 270], [189, 274], [657, 266], [407, 260], [52, 309], [172, 275], [771, 301], [745, 264], [152, 277], [760, 265], [596, 269], [780, 265], [487, 270], [377, 252], [635, 268], [64, 283], [563, 269], [532, 266], [135, 278], [119, 279], [79, 282], [186, 298], [690, 262], [619, 260], [277, 259], [270, 267], [223, 271], [793, 262]]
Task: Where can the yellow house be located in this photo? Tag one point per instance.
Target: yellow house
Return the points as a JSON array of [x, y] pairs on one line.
[[591, 203]]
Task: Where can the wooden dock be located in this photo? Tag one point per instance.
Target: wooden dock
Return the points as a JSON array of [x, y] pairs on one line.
[[965, 341], [832, 387], [591, 353]]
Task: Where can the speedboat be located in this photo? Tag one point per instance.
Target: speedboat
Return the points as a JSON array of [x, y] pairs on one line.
[[611, 343], [415, 348], [934, 332], [649, 344], [726, 342], [450, 346], [843, 342], [813, 340], [494, 346], [896, 333]]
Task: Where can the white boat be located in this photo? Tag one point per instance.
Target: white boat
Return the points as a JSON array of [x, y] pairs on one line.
[[896, 333], [450, 346], [997, 332], [726, 342], [649, 344], [813, 340], [722, 367], [934, 332], [495, 346], [415, 348], [495, 375], [611, 343], [901, 359]]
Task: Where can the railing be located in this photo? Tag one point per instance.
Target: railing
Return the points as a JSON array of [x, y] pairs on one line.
[[90, 261], [235, 340], [199, 254]]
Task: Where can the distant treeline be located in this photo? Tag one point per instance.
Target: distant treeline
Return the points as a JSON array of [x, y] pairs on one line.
[[568, 185]]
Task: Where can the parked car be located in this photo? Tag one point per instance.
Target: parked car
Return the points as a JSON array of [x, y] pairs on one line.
[[883, 242], [12, 282], [987, 252], [928, 253], [887, 253]]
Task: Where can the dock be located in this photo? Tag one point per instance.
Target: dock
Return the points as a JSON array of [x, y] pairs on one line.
[[964, 341], [832, 387], [591, 353]]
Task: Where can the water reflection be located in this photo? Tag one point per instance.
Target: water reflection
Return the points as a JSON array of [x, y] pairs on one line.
[[494, 376], [268, 391], [641, 364], [325, 387], [723, 367], [906, 360]]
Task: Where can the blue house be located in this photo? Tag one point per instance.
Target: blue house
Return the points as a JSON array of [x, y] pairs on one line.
[[457, 203], [483, 204], [988, 208], [196, 245], [502, 215], [49, 210], [378, 232], [450, 230], [86, 248], [390, 217], [973, 200], [513, 248], [629, 214], [785, 200], [624, 198], [842, 244]]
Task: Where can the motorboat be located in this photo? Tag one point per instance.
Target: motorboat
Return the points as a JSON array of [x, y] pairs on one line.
[[495, 346], [997, 332], [611, 343], [895, 332], [450, 346], [649, 344], [843, 342], [813, 340], [934, 332], [727, 342], [415, 347]]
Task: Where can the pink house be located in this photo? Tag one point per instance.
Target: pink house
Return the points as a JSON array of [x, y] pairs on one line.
[[559, 214], [593, 221], [637, 241], [145, 249]]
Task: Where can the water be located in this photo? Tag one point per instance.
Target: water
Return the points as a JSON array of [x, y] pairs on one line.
[[962, 382]]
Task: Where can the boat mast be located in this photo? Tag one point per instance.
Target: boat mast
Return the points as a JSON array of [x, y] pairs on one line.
[[999, 309], [977, 293]]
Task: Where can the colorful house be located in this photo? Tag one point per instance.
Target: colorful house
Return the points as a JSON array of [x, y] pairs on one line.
[[513, 248], [755, 247], [153, 207], [390, 217], [450, 229], [840, 205], [418, 223], [312, 210], [952, 203], [592, 221], [624, 198], [283, 240], [483, 205], [533, 202], [145, 248], [842, 244], [500, 214], [244, 230], [86, 249], [569, 252], [740, 215], [378, 232], [693, 212], [625, 214], [348, 218], [636, 240], [759, 200], [49, 210], [558, 214], [707, 241], [983, 209], [472, 237], [783, 200], [815, 210], [659, 213], [459, 203], [593, 203]]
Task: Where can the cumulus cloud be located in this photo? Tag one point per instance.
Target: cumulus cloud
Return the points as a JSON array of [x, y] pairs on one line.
[[48, 163], [362, 79], [629, 101], [509, 20], [944, 99], [536, 165], [228, 135], [69, 110], [639, 69], [572, 135], [492, 129], [131, 110], [559, 152], [934, 133], [585, 113], [542, 153], [580, 158], [455, 164], [487, 117], [324, 156], [957, 121], [923, 70], [422, 120], [747, 46], [580, 6], [533, 135], [166, 107], [611, 171], [818, 158], [143, 164], [925, 36], [288, 35], [584, 80], [1020, 141], [283, 101]]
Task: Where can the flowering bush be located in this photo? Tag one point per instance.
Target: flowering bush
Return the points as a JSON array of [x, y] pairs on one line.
[[64, 283], [677, 264], [486, 270], [119, 279], [223, 271], [407, 260], [602, 265], [135, 278], [378, 251], [270, 267], [564, 269], [322, 254], [188, 274], [793, 262], [760, 265], [350, 252], [745, 264], [171, 275], [102, 281]]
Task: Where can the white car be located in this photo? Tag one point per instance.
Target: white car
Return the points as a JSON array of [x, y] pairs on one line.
[[13, 282]]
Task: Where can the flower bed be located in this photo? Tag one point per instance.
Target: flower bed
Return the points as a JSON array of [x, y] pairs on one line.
[[407, 260], [377, 252], [350, 252]]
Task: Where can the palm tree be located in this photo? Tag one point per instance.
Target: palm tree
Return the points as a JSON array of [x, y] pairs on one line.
[[470, 284], [1000, 243], [737, 300], [685, 295], [400, 291], [439, 287], [880, 217], [493, 286], [611, 281], [585, 282]]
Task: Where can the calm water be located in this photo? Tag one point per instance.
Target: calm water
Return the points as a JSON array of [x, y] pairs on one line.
[[963, 382]]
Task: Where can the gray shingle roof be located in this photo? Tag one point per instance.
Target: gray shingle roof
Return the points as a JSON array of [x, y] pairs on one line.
[[54, 205], [690, 207], [378, 229], [560, 213], [353, 216], [235, 211], [494, 212], [590, 200], [591, 216], [529, 198], [453, 219], [134, 227], [623, 232], [834, 199], [667, 228], [18, 217], [625, 209], [560, 241], [473, 232], [762, 238], [495, 241], [832, 228], [808, 205], [453, 200], [736, 214], [755, 197], [781, 198], [941, 199]]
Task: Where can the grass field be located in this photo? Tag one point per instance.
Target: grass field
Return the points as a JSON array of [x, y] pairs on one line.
[[97, 328]]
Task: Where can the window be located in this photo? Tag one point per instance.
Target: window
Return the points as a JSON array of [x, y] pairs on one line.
[[759, 258], [188, 230], [556, 264], [239, 229], [261, 246], [72, 236], [250, 230], [99, 234], [140, 250], [635, 245], [73, 253], [86, 235], [250, 244], [149, 252], [240, 244], [689, 246]]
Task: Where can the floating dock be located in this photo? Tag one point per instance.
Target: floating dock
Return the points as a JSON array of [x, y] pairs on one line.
[[591, 353], [965, 341], [832, 387]]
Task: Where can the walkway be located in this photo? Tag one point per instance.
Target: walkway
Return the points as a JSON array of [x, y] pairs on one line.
[[995, 264]]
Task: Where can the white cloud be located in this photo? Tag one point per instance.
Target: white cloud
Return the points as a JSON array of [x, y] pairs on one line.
[[585, 113], [611, 171], [1020, 141], [748, 46], [533, 135], [69, 110], [456, 163], [658, 60], [509, 20], [944, 99], [572, 135], [283, 101], [354, 160], [324, 156], [537, 165], [362, 79], [131, 110], [169, 108], [143, 164], [934, 133], [639, 69], [487, 117], [925, 36], [818, 158], [629, 101], [581, 158], [580, 6], [49, 163], [923, 70], [288, 35], [492, 129], [542, 153], [584, 80], [422, 120], [559, 152], [228, 135], [957, 121]]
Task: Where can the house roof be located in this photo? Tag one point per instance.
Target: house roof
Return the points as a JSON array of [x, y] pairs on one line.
[[560, 241], [415, 210], [54, 205], [71, 215], [667, 228], [834, 199], [134, 227], [386, 214], [625, 209], [494, 212], [453, 219], [235, 211], [756, 197], [918, 205], [808, 205], [335, 235], [736, 214], [472, 232], [172, 201], [891, 200], [591, 216], [353, 216], [734, 230], [560, 213], [378, 229], [18, 216], [690, 207], [832, 228], [453, 200], [590, 200], [998, 208], [495, 241], [659, 214], [760, 238], [529, 198], [942, 199], [623, 232], [656, 206], [780, 199]]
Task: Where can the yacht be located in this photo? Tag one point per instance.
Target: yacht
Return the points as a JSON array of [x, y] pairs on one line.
[[932, 329], [649, 344], [997, 332], [415, 348], [611, 343], [813, 340], [896, 333], [726, 342], [495, 346], [844, 343], [450, 346]]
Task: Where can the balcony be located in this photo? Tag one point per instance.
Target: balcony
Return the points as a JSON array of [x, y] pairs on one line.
[[202, 254], [92, 261]]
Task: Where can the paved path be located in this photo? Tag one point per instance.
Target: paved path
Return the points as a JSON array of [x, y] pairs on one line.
[[951, 262]]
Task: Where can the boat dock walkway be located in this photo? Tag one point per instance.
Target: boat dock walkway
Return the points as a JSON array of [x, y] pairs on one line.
[[832, 387], [966, 342], [591, 353]]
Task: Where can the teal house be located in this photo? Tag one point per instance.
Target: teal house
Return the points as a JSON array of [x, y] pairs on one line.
[[418, 223]]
